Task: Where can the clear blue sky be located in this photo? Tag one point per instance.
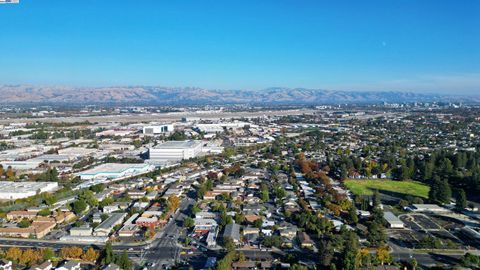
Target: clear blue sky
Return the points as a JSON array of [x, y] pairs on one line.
[[410, 45]]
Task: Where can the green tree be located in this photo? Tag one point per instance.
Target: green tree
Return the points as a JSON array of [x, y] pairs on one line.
[[440, 191], [228, 152], [108, 256], [326, 252], [298, 267], [124, 262], [79, 206], [24, 223], [350, 252], [461, 199], [89, 197], [264, 194], [97, 188], [44, 212], [188, 223], [48, 254], [226, 262], [343, 172], [229, 244], [376, 234], [272, 241], [49, 199], [352, 214], [376, 199]]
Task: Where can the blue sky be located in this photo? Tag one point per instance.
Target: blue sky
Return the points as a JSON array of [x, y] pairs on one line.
[[408, 45]]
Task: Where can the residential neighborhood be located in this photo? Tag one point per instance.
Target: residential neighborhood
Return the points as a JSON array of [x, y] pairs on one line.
[[309, 191]]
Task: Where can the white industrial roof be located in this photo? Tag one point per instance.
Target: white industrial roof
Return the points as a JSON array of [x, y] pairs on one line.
[[178, 144]]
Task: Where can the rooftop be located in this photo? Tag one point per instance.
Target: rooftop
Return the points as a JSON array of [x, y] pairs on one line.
[[110, 221], [233, 231], [114, 168], [178, 144]]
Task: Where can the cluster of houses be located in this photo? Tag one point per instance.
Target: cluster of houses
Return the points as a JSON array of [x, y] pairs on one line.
[[39, 225]]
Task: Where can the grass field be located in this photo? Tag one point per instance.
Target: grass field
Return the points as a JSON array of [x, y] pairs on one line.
[[366, 187]]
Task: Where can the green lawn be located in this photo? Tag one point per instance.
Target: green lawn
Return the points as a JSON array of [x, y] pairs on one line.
[[366, 187]]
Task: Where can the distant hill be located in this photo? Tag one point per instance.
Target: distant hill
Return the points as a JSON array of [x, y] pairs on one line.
[[148, 95]]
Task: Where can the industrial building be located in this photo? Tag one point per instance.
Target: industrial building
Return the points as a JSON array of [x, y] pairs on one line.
[[19, 190], [51, 158], [77, 152], [115, 171], [428, 208], [21, 165], [220, 127], [393, 221], [175, 150], [157, 129]]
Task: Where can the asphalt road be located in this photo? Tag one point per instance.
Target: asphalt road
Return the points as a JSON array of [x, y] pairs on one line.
[[165, 248], [57, 245], [427, 259]]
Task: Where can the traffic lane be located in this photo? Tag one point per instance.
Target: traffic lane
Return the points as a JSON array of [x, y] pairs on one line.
[[59, 245], [427, 260]]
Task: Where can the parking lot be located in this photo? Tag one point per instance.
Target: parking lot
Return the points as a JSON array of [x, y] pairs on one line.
[[418, 226]]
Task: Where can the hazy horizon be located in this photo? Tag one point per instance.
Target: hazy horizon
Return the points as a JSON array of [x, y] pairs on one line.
[[353, 90]]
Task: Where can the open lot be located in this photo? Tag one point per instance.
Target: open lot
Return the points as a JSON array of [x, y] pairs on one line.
[[366, 187]]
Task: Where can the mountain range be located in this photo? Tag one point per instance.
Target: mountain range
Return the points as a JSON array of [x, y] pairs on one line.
[[151, 95]]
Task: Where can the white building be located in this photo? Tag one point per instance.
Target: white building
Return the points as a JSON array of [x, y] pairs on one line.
[[70, 265], [157, 129], [81, 231], [429, 208], [115, 171], [212, 238], [393, 221], [176, 150], [77, 152], [205, 225], [19, 190], [21, 165], [220, 127], [51, 158]]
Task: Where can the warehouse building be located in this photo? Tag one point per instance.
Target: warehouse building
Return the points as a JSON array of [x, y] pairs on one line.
[[115, 171], [175, 150], [51, 158], [21, 165], [428, 208], [19, 190]]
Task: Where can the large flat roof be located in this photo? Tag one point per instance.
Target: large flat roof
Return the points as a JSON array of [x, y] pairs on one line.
[[22, 187], [177, 144], [114, 168], [391, 218]]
